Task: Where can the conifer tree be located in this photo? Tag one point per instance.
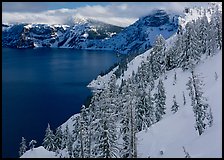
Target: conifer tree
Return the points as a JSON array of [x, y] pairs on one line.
[[199, 103], [58, 138], [159, 98], [48, 142], [175, 106], [23, 147]]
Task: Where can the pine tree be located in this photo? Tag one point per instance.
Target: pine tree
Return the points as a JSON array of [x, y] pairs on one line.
[[158, 56], [175, 78], [191, 52], [198, 102], [175, 106], [32, 144], [58, 138], [23, 147], [160, 98], [184, 98], [49, 140]]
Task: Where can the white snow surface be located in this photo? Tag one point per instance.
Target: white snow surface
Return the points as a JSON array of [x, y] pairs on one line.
[[177, 130], [39, 152]]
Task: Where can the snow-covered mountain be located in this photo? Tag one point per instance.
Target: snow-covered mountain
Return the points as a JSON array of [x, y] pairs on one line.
[[133, 115], [65, 36], [91, 34]]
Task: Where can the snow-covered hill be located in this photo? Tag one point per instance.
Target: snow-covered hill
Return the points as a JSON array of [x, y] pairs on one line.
[[177, 130], [92, 34]]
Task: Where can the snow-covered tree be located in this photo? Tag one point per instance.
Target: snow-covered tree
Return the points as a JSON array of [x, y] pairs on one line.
[[49, 139], [187, 155], [184, 99], [158, 57], [191, 52], [175, 78], [159, 99], [216, 76], [198, 102], [175, 106], [23, 147], [32, 144], [58, 138]]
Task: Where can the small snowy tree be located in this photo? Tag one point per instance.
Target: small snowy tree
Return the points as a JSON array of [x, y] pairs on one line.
[[32, 144], [198, 102], [58, 138], [23, 147], [48, 142], [175, 78], [187, 155], [160, 99], [216, 76], [175, 106], [184, 98]]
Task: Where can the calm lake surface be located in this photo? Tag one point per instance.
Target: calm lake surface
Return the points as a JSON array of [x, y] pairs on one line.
[[45, 85]]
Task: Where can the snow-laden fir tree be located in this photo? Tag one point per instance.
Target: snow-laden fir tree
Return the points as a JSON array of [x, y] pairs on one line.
[[158, 57], [173, 59], [67, 142], [202, 31], [216, 22], [58, 138], [125, 122], [23, 147], [175, 106], [160, 99], [150, 112], [105, 128], [199, 103], [128, 119], [49, 139], [191, 52], [32, 144]]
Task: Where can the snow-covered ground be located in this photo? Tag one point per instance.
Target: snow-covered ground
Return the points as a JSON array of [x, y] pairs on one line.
[[39, 152], [177, 130]]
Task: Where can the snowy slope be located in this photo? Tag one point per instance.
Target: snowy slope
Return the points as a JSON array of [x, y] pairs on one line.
[[193, 14], [177, 130], [39, 152]]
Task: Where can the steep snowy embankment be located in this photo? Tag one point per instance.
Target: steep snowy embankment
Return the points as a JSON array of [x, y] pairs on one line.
[[177, 130]]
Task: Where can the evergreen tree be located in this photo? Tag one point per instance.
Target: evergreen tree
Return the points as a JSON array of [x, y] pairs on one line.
[[58, 138], [160, 98], [191, 52], [175, 78], [48, 142], [23, 147], [175, 106], [158, 57], [198, 102], [32, 144], [184, 98]]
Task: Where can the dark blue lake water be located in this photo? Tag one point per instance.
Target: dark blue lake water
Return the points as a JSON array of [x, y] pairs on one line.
[[41, 86]]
